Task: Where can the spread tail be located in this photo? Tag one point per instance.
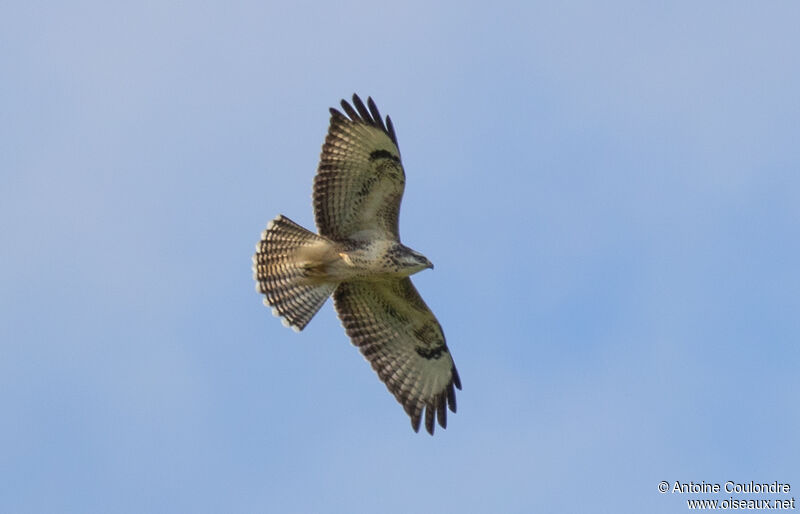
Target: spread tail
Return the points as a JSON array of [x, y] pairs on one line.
[[288, 268]]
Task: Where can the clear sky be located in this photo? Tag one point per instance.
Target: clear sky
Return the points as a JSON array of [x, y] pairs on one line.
[[610, 192]]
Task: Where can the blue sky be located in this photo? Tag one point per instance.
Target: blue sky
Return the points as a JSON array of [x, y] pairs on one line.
[[609, 192]]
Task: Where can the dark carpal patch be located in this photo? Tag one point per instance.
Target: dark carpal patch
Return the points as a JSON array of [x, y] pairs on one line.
[[434, 345], [383, 154], [430, 353]]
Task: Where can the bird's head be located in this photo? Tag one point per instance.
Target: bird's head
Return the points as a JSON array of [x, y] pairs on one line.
[[412, 261]]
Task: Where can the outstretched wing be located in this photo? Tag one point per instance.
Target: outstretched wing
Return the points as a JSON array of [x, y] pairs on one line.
[[400, 337], [360, 179]]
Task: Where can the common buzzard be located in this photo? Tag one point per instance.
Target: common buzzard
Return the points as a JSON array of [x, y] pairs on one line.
[[358, 258]]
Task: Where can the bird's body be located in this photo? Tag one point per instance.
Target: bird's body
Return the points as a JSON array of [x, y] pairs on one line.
[[357, 257]]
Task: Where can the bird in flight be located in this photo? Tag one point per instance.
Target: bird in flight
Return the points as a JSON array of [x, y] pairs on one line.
[[358, 258]]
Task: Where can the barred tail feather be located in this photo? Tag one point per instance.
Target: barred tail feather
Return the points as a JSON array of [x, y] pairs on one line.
[[286, 269]]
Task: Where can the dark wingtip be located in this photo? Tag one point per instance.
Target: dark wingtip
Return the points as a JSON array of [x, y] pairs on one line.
[[376, 115], [456, 378], [429, 419], [362, 110], [415, 423], [451, 397], [390, 129], [368, 114], [441, 411], [351, 113]]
